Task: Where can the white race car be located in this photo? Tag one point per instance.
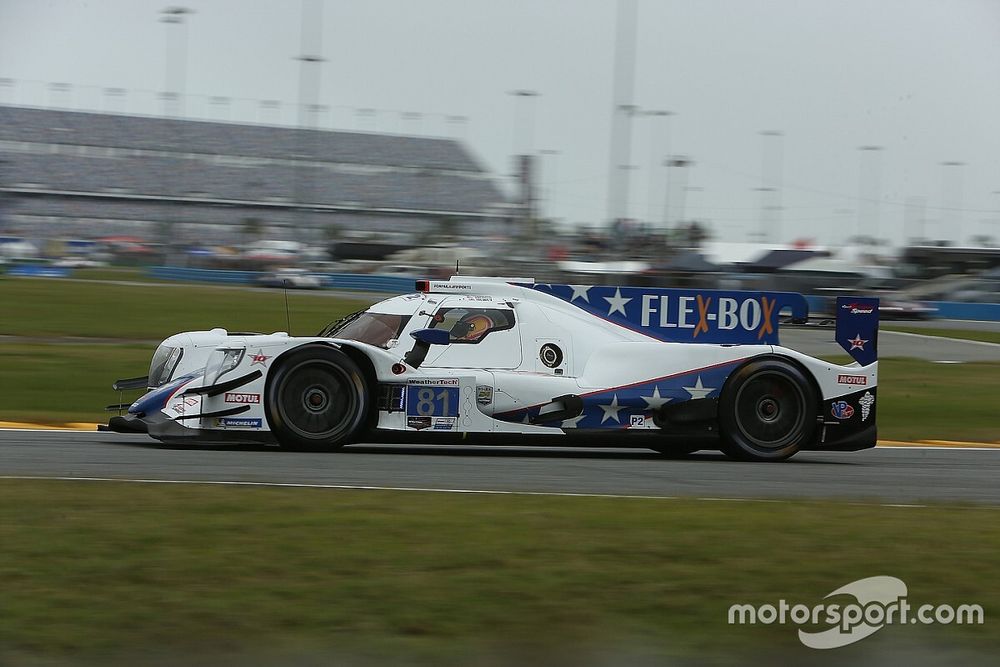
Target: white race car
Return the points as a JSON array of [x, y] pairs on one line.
[[671, 369]]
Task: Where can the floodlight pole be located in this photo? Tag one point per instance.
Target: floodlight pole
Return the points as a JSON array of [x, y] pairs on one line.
[[656, 149], [951, 196], [869, 191], [308, 87], [175, 16]]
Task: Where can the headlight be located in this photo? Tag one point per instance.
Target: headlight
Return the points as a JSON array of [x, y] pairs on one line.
[[221, 362], [164, 363]]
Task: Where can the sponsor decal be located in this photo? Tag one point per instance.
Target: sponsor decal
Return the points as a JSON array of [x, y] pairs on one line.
[[484, 394], [443, 423], [236, 397], [842, 410], [698, 311], [259, 358], [703, 316], [418, 423], [857, 309], [434, 382], [866, 402], [236, 422], [852, 379], [857, 343], [448, 287], [182, 405]]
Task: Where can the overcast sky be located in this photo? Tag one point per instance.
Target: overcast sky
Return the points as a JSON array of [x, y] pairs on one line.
[[920, 78]]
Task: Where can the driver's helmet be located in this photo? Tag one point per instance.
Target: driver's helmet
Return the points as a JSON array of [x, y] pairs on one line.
[[472, 327]]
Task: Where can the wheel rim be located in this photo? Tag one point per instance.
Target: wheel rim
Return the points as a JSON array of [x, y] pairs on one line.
[[317, 399], [770, 410]]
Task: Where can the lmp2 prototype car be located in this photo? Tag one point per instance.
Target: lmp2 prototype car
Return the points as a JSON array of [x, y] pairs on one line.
[[671, 369]]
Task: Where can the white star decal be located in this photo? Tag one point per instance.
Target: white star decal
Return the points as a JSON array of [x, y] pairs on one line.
[[611, 411], [572, 423], [580, 292], [699, 390], [857, 343], [617, 302], [655, 402]]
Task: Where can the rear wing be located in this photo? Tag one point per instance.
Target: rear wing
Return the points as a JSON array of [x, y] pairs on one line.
[[857, 328]]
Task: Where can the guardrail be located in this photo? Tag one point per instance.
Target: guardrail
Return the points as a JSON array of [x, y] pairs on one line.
[[364, 282], [953, 310], [204, 275], [38, 271]]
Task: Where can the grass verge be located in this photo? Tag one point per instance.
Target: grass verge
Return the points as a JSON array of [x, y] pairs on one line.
[[961, 334], [54, 307], [54, 383], [92, 569], [921, 400]]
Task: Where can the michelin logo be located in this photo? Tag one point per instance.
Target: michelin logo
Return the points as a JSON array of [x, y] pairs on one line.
[[231, 422]]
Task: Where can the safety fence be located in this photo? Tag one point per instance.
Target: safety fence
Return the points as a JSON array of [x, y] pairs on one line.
[[339, 281]]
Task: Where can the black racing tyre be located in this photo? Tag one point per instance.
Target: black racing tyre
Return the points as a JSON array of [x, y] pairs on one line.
[[767, 411], [316, 399]]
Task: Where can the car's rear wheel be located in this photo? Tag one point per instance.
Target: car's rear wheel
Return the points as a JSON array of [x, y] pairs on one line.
[[767, 411], [316, 399]]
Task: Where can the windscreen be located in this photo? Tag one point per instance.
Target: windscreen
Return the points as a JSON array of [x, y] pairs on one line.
[[373, 328]]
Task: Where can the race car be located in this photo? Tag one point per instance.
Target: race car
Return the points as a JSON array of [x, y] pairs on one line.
[[503, 359]]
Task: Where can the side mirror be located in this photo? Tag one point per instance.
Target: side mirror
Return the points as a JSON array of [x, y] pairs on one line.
[[425, 338], [432, 336]]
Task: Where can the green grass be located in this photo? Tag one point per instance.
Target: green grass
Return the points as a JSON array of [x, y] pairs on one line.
[[928, 401], [127, 273], [48, 307], [103, 569], [55, 383], [962, 334]]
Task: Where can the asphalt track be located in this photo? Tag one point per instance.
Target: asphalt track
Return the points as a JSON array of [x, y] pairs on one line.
[[883, 476]]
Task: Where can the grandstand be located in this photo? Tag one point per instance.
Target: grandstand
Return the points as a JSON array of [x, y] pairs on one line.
[[81, 174]]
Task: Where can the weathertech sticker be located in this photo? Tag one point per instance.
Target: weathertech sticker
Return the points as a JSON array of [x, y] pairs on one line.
[[235, 397], [451, 382]]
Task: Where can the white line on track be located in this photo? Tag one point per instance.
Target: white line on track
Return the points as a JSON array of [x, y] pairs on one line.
[[485, 492]]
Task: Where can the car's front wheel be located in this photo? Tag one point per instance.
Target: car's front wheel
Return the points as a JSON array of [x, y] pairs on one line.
[[767, 411], [316, 399]]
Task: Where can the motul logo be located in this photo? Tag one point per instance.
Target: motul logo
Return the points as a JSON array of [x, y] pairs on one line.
[[852, 379], [232, 397]]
